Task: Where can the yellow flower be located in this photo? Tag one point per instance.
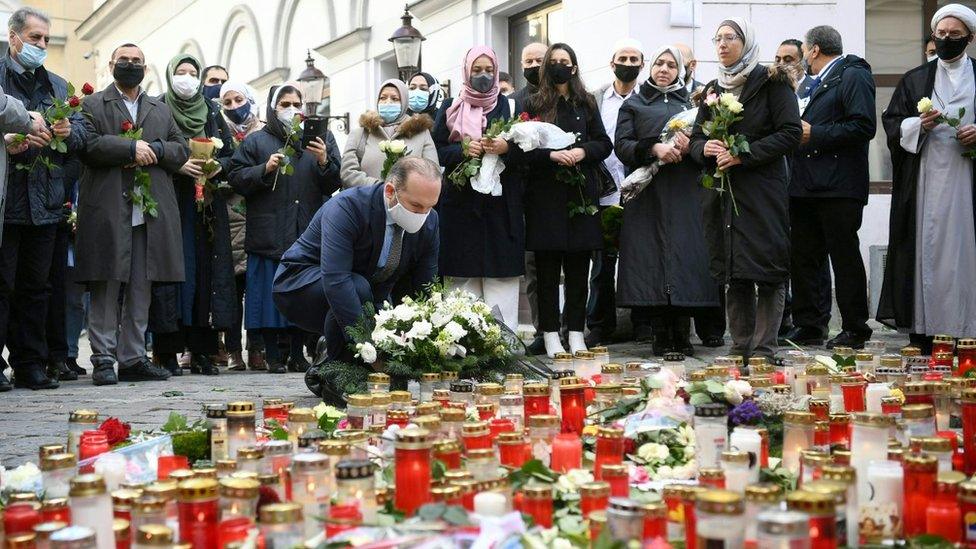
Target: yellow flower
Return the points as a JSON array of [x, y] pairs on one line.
[[900, 395], [924, 105], [677, 124], [589, 431]]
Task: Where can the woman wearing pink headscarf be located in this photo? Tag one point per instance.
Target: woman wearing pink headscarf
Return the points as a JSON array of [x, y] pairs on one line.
[[482, 236]]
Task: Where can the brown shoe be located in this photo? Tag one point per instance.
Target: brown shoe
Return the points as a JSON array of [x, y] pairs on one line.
[[221, 358], [235, 362], [255, 361]]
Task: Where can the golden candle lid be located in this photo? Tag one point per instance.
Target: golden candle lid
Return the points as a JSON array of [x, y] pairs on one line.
[[240, 408], [765, 492], [543, 420], [490, 389], [760, 382], [205, 472], [276, 448], [333, 447], [281, 513], [711, 473], [53, 462], [570, 382], [50, 449], [146, 505], [154, 534], [241, 488], [735, 457], [838, 473], [164, 489], [873, 420], [598, 517], [920, 462], [819, 403], [430, 422], [452, 414], [910, 351], [967, 343], [483, 407], [757, 361], [817, 370], [697, 375], [377, 377], [600, 350], [536, 389], [379, 399], [246, 453], [198, 489], [810, 502], [360, 400], [44, 530], [863, 357], [633, 366], [87, 485], [416, 439], [449, 376], [612, 369], [719, 502], [226, 465], [431, 377], [654, 509], [457, 474], [121, 529], [312, 461], [821, 426], [481, 454], [271, 402], [23, 540], [301, 415], [967, 490], [445, 493], [609, 432], [842, 456], [24, 497], [891, 361], [83, 416], [916, 388], [124, 497], [268, 479], [837, 490], [562, 357], [917, 411], [942, 338], [800, 417], [609, 389], [613, 470], [947, 481], [584, 355], [447, 446], [180, 475], [400, 397], [595, 489], [781, 389], [428, 408], [354, 469], [537, 491], [840, 418], [936, 444]]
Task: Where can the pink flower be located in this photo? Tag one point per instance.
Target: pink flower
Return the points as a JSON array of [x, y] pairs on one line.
[[711, 99], [638, 474], [343, 424]]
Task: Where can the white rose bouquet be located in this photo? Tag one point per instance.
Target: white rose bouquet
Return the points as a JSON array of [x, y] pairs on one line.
[[665, 454], [394, 150], [633, 184], [725, 110]]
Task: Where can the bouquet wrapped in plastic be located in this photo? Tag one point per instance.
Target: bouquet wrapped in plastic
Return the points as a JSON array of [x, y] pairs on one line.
[[528, 135], [634, 183]]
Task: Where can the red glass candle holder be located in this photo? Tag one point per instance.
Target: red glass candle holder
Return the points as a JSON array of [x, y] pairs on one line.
[[968, 406], [711, 477], [890, 406], [56, 510], [400, 418], [537, 503], [840, 430], [92, 443], [476, 436], [820, 408], [688, 512], [412, 470], [199, 513], [920, 473], [234, 529], [167, 464], [535, 399], [594, 496], [573, 404], [21, 517], [655, 521], [342, 518], [854, 396], [485, 411], [943, 344], [449, 452], [567, 452], [943, 517], [609, 449], [616, 475], [500, 425], [821, 510], [512, 449], [966, 353], [276, 412]]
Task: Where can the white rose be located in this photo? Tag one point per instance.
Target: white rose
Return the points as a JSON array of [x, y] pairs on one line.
[[727, 99], [367, 352], [561, 543], [454, 330], [404, 312], [732, 396], [663, 472], [26, 478], [740, 386], [924, 105], [397, 146], [420, 329], [653, 452], [735, 107], [218, 143], [572, 480], [384, 146]]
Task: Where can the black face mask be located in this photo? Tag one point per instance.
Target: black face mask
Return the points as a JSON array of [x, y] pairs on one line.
[[211, 92], [626, 73], [947, 48], [560, 74], [531, 75], [128, 75], [482, 82]]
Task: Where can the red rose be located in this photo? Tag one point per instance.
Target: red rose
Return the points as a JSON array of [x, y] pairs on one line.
[[630, 446], [68, 205], [524, 116], [74, 101], [87, 89], [126, 126], [266, 496], [239, 136], [115, 431], [198, 192]]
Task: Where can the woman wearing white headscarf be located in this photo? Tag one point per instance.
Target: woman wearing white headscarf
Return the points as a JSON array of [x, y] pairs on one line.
[[240, 109], [932, 235], [750, 250], [663, 260]]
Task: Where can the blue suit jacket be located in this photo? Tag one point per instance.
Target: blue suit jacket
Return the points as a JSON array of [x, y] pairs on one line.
[[344, 239]]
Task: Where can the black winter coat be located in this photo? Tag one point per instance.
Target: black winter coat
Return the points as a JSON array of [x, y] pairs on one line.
[[834, 163], [663, 257], [481, 235], [755, 244], [208, 296], [548, 225], [37, 198], [277, 214]]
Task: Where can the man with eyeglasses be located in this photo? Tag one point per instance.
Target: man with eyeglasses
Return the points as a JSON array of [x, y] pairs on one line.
[[34, 206], [928, 286], [129, 235]]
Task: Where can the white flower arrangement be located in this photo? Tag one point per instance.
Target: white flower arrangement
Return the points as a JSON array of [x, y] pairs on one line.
[[24, 478]]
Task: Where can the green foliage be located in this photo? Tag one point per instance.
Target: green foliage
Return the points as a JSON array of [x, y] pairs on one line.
[[532, 470], [779, 476], [472, 165], [277, 431], [451, 514], [572, 176], [289, 149], [611, 221], [141, 195]]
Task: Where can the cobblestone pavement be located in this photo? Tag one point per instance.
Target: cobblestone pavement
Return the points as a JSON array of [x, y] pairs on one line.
[[32, 418]]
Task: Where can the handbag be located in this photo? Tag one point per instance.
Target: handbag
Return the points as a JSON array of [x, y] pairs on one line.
[[605, 181]]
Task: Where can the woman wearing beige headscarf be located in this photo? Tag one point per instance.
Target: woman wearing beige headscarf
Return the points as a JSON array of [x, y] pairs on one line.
[[749, 249], [362, 161]]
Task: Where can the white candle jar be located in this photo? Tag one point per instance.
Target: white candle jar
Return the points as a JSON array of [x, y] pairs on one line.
[[462, 391], [881, 508], [447, 378], [513, 408], [782, 530], [311, 487], [378, 407], [719, 516], [71, 537], [91, 506], [864, 363], [80, 421], [738, 473], [251, 458], [378, 382], [676, 363], [625, 520], [358, 411], [239, 498], [57, 470], [482, 464], [585, 364], [217, 430], [428, 382], [300, 421], [759, 498], [513, 383], [919, 420], [152, 536], [355, 484], [601, 355], [711, 433], [240, 426], [869, 442], [798, 435], [282, 526], [611, 373]]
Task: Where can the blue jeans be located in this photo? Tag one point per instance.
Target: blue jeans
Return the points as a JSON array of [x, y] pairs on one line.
[[76, 311]]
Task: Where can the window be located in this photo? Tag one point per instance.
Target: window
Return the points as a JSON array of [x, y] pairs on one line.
[[543, 23]]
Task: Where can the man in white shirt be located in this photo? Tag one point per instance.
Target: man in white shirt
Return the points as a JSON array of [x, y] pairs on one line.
[[626, 62]]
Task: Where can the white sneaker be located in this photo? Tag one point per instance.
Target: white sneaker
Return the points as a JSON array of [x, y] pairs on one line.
[[553, 344], [576, 342]]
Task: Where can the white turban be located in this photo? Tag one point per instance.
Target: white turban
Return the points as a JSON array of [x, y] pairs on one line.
[[960, 12], [626, 44]]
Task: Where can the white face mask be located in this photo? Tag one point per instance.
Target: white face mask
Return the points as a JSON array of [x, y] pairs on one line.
[[185, 86], [931, 57], [411, 222], [287, 115]]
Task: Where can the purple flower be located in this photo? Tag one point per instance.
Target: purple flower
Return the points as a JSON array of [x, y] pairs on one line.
[[747, 413]]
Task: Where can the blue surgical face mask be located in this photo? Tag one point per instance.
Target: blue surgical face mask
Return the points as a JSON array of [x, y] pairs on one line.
[[212, 91], [389, 111], [31, 56], [419, 100], [240, 114]]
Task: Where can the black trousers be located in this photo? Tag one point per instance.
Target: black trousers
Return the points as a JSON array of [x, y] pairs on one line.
[[574, 266], [822, 228], [710, 321], [57, 331], [601, 307], [25, 289], [195, 339]]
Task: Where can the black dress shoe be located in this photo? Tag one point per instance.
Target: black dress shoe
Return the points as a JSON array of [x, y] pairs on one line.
[[684, 347], [803, 336], [850, 339], [277, 367], [643, 333], [103, 372], [298, 364], [595, 338], [713, 341], [34, 378], [5, 384], [171, 364], [144, 370], [72, 364], [200, 364], [537, 347], [61, 370]]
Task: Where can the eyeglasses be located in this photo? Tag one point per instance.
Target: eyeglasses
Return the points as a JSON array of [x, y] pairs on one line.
[[727, 38], [954, 35]]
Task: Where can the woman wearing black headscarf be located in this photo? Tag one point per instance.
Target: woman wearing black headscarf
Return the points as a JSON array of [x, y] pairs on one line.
[[188, 315], [279, 208], [425, 94]]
